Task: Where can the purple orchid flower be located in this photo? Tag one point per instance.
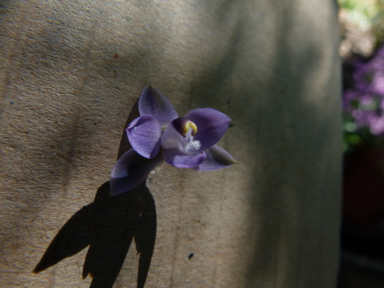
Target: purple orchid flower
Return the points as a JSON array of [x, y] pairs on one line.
[[159, 133]]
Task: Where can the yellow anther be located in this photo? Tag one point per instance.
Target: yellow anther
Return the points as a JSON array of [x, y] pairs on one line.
[[187, 125]]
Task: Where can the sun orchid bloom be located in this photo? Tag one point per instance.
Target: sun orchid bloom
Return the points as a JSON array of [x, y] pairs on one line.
[[159, 133]]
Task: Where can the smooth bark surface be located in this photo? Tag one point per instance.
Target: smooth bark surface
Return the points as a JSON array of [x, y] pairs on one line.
[[71, 71]]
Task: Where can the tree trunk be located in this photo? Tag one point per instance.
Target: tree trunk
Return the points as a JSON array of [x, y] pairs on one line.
[[71, 71]]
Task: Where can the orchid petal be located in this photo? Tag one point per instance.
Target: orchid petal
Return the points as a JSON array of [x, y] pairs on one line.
[[211, 126], [217, 158], [144, 135], [171, 138], [179, 159], [130, 170], [152, 102]]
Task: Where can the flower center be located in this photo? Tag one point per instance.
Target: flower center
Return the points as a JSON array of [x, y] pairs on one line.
[[190, 145], [190, 128], [180, 135]]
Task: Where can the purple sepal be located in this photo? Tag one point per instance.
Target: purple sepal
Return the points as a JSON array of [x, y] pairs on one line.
[[130, 170], [152, 102], [217, 158], [181, 160], [211, 126], [144, 135]]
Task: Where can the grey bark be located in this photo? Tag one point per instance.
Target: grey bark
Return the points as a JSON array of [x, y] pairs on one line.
[[72, 70]]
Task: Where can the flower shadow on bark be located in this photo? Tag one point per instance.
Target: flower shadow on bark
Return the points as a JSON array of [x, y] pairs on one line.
[[108, 225]]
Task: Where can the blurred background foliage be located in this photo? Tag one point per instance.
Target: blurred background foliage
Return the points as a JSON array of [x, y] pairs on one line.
[[362, 26], [362, 233], [364, 19]]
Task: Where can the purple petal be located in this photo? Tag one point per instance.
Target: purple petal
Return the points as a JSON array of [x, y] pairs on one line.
[[180, 160], [211, 126], [144, 135], [130, 170], [217, 158], [154, 103]]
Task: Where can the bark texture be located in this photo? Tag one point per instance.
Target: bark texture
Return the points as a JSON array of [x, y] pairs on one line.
[[70, 72]]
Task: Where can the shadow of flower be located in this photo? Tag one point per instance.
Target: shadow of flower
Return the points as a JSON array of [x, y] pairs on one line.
[[108, 225]]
